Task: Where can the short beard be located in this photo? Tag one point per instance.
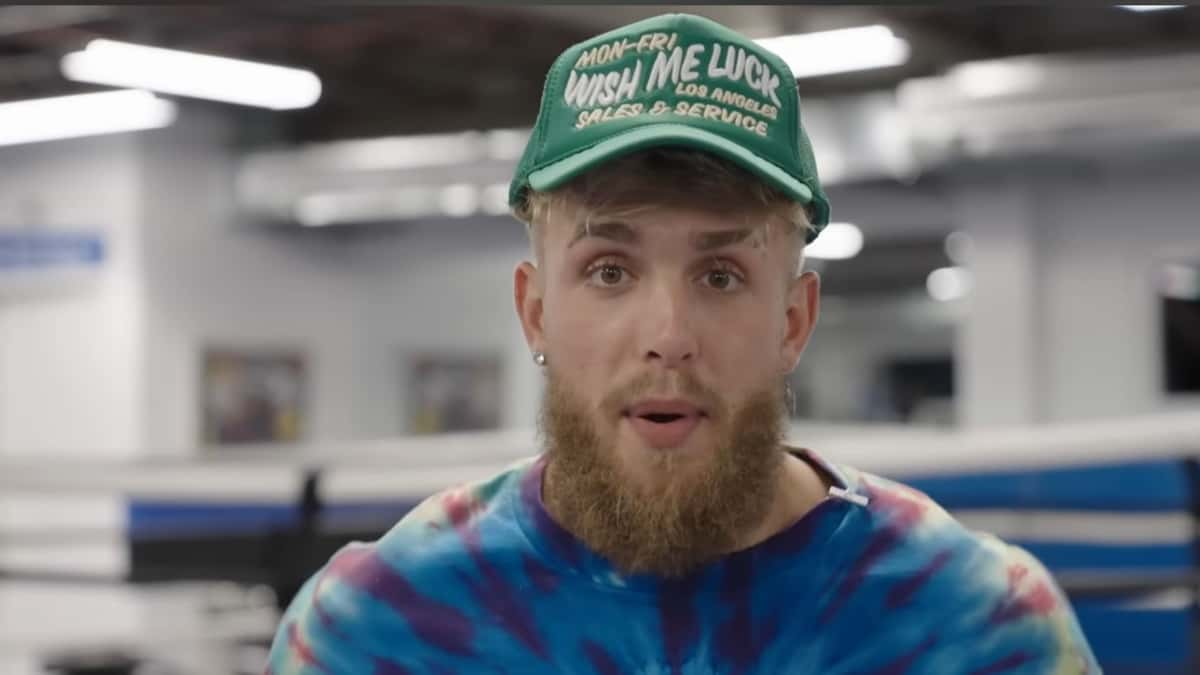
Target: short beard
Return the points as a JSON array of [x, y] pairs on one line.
[[691, 516]]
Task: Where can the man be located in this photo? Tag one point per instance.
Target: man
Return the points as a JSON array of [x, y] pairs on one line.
[[669, 190]]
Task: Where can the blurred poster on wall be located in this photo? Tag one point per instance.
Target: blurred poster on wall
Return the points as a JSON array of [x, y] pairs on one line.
[[253, 395], [453, 392]]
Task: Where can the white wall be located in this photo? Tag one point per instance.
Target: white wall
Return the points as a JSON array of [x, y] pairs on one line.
[[1000, 348], [1107, 237], [71, 362], [445, 287], [70, 358], [114, 367], [212, 280], [188, 273], [1063, 324]]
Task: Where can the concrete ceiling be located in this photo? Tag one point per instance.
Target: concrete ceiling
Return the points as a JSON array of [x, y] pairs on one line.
[[396, 69]]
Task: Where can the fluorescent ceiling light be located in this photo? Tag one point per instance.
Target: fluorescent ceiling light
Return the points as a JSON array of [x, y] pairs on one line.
[[986, 79], [838, 241], [959, 247], [49, 119], [364, 206], [1148, 8], [397, 152], [411, 152], [948, 283], [839, 51], [169, 71], [494, 199], [459, 200], [506, 143]]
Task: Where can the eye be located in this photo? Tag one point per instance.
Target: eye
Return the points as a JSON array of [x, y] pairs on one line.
[[606, 274], [721, 278]]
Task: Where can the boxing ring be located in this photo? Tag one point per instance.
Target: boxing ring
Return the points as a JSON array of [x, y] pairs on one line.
[[186, 562]]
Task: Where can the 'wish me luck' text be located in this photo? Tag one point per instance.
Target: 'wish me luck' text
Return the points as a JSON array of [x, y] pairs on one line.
[[672, 67]]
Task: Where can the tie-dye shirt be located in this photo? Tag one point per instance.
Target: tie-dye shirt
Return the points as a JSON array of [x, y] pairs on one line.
[[875, 579]]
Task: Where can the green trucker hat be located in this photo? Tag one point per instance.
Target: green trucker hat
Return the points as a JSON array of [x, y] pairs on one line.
[[671, 80]]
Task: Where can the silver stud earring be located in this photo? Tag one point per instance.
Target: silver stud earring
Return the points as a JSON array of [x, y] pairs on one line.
[[539, 358]]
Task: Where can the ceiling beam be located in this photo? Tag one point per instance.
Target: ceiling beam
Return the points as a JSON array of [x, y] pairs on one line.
[[21, 20], [594, 19]]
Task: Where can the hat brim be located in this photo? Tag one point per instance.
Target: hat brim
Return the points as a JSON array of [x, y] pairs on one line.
[[667, 134]]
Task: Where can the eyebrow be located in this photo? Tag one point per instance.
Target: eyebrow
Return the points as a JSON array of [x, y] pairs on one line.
[[615, 230], [709, 241], [623, 233]]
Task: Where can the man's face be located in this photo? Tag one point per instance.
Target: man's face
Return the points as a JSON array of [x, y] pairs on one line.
[[668, 335]]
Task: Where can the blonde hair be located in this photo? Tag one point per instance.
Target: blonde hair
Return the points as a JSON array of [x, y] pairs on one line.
[[665, 176]]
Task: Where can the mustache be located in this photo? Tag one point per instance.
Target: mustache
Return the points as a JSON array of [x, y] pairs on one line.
[[669, 384]]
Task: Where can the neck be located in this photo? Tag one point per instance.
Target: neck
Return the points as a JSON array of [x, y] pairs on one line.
[[798, 489]]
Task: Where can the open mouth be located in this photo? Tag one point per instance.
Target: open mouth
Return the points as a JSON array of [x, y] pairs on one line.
[[664, 424], [661, 418]]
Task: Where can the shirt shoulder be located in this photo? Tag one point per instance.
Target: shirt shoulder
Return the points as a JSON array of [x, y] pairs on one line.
[[383, 606], [951, 598]]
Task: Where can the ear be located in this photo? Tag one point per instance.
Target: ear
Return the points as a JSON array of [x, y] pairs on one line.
[[527, 292], [803, 307]]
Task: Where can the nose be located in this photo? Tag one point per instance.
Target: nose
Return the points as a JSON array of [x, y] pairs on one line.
[[670, 337]]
